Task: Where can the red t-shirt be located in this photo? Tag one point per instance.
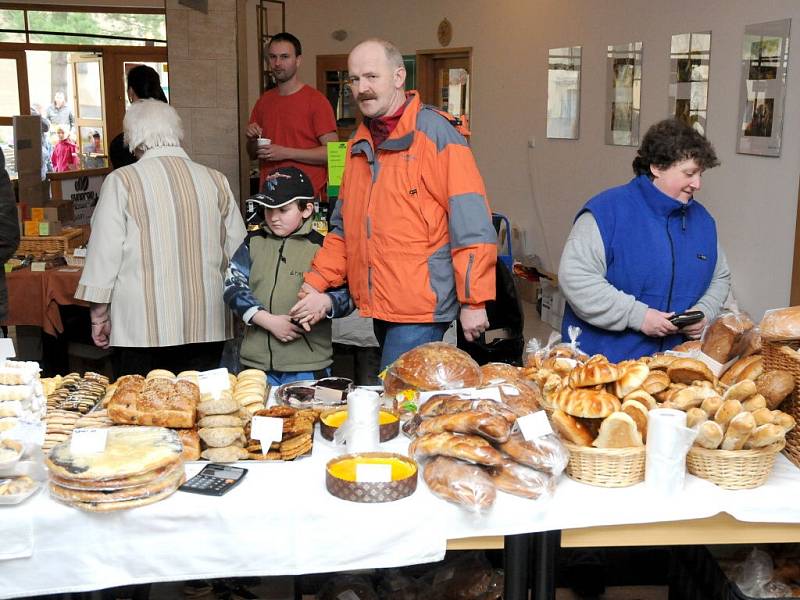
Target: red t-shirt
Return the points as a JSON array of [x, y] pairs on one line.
[[64, 156], [295, 121]]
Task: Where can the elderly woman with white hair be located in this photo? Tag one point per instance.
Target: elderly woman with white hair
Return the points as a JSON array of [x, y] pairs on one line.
[[162, 233]]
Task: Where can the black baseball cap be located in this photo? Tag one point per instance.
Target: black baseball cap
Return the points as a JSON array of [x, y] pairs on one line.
[[285, 185]]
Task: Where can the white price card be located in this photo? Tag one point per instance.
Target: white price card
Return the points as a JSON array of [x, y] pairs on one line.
[[88, 441], [266, 430], [214, 381], [534, 425], [7, 348], [487, 393], [79, 252], [38, 266], [509, 390], [371, 473], [327, 395]]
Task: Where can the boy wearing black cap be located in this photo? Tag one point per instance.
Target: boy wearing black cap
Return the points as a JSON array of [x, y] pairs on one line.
[[265, 275]]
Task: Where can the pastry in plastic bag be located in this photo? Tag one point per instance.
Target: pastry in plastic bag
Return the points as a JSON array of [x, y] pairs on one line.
[[471, 448], [522, 398], [723, 334], [448, 404], [520, 480], [495, 372], [459, 482], [491, 427], [432, 366], [546, 454]]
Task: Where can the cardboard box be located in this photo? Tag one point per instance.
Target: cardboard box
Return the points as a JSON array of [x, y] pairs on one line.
[[28, 144], [50, 228], [59, 211], [31, 228], [553, 303], [527, 290], [37, 214]]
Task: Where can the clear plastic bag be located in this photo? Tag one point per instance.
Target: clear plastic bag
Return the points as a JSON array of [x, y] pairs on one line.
[[754, 577], [432, 366], [468, 577], [721, 336], [461, 483], [546, 454]]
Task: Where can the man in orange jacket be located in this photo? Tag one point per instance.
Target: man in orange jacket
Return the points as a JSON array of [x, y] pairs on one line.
[[411, 233]]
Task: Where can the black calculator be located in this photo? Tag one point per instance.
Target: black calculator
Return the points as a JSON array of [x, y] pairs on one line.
[[214, 480]]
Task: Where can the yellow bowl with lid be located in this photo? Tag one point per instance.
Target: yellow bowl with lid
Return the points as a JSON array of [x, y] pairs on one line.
[[330, 420], [342, 477]]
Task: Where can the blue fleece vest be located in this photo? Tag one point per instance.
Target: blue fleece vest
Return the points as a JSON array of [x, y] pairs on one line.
[[658, 250]]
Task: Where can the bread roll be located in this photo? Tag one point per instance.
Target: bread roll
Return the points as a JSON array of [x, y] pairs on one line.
[[656, 381], [228, 454], [519, 480], [695, 416], [448, 404], [593, 373], [661, 361], [491, 427], [785, 421], [754, 402], [730, 376], [220, 437], [740, 428], [765, 435], [220, 421], [631, 378], [459, 482], [618, 430], [687, 370], [691, 396], [545, 454], [465, 447], [638, 412], [762, 416], [590, 404], [711, 405], [224, 405], [753, 370], [688, 346], [709, 435], [726, 412], [641, 396], [571, 429], [740, 391], [775, 386], [781, 324]]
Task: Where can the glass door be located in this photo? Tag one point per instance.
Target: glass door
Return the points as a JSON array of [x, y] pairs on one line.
[[87, 74], [14, 100]]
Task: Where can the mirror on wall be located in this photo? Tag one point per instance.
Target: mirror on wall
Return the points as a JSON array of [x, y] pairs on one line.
[[690, 57], [624, 87], [564, 93]]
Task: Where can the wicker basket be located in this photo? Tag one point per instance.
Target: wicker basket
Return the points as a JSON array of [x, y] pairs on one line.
[[775, 360], [733, 469], [51, 244], [606, 467]]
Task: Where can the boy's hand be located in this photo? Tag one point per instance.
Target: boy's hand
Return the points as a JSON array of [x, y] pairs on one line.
[[279, 326], [312, 307], [253, 131]]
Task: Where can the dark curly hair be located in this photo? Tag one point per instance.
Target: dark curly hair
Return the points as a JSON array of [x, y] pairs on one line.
[[670, 141]]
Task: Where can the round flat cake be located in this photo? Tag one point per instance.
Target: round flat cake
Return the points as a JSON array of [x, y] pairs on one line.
[[129, 451]]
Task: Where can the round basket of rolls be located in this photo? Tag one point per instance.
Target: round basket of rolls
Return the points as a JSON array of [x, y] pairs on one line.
[[600, 411], [739, 429]]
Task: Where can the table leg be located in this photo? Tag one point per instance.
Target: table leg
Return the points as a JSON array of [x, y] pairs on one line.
[[545, 558], [516, 550]]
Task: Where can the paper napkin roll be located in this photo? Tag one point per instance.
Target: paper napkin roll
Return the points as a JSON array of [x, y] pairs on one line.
[[361, 431], [668, 441]]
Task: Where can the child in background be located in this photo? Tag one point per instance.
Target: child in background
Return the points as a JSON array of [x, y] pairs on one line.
[[264, 278]]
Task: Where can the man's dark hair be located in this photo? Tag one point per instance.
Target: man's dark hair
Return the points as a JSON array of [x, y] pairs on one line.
[[287, 37], [146, 83], [670, 141]]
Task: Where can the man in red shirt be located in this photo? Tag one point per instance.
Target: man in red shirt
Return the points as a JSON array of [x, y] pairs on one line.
[[297, 119]]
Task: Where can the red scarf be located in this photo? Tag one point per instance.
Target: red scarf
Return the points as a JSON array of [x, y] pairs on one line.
[[381, 128]]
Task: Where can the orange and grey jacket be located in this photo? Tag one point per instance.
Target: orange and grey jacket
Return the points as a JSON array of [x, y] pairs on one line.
[[411, 233]]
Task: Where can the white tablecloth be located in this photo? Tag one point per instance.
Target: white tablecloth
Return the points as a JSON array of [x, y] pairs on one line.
[[281, 520]]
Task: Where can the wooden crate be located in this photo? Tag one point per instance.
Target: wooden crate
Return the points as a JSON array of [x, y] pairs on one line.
[[57, 244]]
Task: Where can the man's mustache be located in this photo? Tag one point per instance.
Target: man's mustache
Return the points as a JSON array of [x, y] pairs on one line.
[[365, 96]]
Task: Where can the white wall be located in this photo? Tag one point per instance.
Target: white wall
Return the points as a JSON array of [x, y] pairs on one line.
[[754, 199]]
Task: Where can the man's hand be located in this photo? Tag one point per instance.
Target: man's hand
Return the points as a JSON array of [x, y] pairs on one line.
[[473, 321], [280, 326], [253, 131], [311, 308], [694, 330], [274, 152], [656, 323]]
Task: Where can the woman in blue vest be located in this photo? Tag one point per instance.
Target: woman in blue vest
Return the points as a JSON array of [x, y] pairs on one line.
[[644, 251]]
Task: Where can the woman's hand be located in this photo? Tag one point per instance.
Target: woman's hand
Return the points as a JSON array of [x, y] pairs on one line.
[[100, 318], [694, 330], [656, 323]]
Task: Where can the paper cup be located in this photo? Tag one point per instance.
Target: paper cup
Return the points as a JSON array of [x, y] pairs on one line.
[[263, 142]]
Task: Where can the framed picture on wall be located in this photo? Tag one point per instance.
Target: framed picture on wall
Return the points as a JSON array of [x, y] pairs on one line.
[[765, 62], [690, 58], [564, 93], [624, 90]]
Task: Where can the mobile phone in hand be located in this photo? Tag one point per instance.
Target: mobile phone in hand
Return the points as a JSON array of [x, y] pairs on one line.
[[686, 318]]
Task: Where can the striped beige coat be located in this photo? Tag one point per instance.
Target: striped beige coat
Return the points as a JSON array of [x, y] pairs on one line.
[[162, 233]]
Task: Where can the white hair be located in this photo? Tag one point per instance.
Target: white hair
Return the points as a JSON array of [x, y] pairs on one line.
[[150, 124]]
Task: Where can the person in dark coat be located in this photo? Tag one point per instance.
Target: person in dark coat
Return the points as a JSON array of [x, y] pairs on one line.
[[9, 230]]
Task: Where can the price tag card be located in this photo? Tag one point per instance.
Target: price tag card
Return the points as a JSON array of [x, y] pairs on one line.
[[38, 266], [79, 252], [7, 348], [214, 381], [327, 395], [266, 430], [88, 441], [509, 390], [366, 473], [487, 393], [534, 425]]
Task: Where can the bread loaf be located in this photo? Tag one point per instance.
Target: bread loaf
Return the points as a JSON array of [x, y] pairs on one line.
[[691, 396], [740, 391], [465, 447], [432, 366], [220, 437], [459, 482], [495, 372], [590, 404], [160, 402], [740, 428], [723, 334], [572, 430], [775, 386], [765, 435], [781, 324], [447, 404], [618, 430], [521, 398], [545, 454], [752, 371], [491, 427], [519, 480], [687, 370], [730, 376], [709, 435], [224, 405]]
